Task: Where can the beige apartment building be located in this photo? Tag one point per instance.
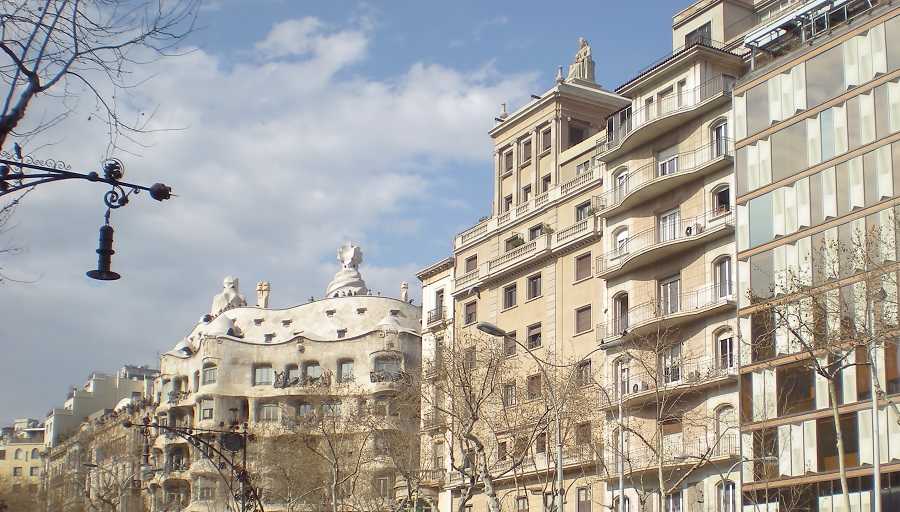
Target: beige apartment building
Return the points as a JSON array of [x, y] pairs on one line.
[[620, 242], [22, 454]]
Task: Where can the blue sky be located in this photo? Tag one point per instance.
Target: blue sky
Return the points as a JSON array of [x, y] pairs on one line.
[[301, 125]]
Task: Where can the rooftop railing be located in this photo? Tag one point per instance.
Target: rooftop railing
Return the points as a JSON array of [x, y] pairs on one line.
[[702, 42], [625, 122]]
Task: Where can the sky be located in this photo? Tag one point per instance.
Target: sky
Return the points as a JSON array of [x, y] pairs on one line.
[[290, 127]]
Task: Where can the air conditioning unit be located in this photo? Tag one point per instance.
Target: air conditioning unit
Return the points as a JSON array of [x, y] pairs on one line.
[[638, 385], [693, 229]]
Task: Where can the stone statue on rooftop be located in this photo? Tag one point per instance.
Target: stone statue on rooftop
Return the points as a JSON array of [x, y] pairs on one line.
[[348, 281], [229, 298], [582, 67]]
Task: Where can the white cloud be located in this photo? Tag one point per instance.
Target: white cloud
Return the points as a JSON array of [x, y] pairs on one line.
[[282, 157]]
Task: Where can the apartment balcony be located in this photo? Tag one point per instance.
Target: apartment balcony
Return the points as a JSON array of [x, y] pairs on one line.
[[656, 315], [582, 230], [435, 317], [660, 242], [631, 127], [675, 452], [639, 386], [537, 203], [653, 180], [384, 380], [433, 420]]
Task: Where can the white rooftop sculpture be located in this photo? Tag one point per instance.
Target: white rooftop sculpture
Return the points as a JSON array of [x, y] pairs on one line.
[[582, 67], [229, 298], [348, 281]]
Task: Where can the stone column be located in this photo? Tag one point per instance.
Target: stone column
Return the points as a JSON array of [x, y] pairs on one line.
[[251, 406]]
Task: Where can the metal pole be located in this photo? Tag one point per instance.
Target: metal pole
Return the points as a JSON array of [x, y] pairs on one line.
[[876, 441], [244, 468], [621, 448], [559, 463]]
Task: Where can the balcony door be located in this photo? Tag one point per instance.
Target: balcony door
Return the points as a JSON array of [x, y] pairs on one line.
[[669, 223], [670, 364], [669, 295], [620, 313], [719, 139]]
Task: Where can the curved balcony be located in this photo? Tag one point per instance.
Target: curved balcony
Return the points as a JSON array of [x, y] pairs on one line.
[[678, 377], [654, 244], [654, 316], [675, 451], [630, 128], [653, 179], [592, 176], [433, 420]]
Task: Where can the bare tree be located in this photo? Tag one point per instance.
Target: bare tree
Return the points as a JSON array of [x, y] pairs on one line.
[[835, 310], [63, 48], [19, 497]]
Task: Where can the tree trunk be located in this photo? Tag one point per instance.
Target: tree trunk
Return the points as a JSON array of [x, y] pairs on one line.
[[334, 485], [661, 453], [838, 434]]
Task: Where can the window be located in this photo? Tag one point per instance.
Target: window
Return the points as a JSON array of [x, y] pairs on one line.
[[268, 412], [345, 370], [670, 364], [725, 496], [583, 374], [626, 505], [304, 409], [507, 203], [535, 231], [582, 319], [722, 200], [534, 335], [719, 139], [526, 151], [33, 471], [19, 454], [509, 344], [534, 387], [540, 443], [795, 389], [502, 451], [17, 471], [263, 375], [667, 162], [620, 313], [582, 168], [470, 313], [673, 502], [507, 161], [293, 372], [438, 456], [313, 370], [388, 366], [210, 373], [509, 394], [522, 504], [583, 434], [725, 350], [331, 408], [206, 493], [583, 499], [383, 486], [621, 185], [700, 35], [824, 76], [669, 295], [471, 263], [621, 242], [526, 193], [35, 455], [576, 134], [469, 358], [583, 267], [545, 140], [206, 409], [534, 287], [582, 211], [669, 223], [509, 296], [545, 183]]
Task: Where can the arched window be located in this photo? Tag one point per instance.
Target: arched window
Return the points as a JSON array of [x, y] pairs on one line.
[[722, 277], [726, 427], [620, 241], [35, 455], [725, 496], [210, 373], [721, 199], [719, 138], [620, 184], [620, 313], [725, 356], [20, 455]]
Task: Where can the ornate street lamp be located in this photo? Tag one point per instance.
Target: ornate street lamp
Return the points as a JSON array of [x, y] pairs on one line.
[[19, 172], [222, 448]]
